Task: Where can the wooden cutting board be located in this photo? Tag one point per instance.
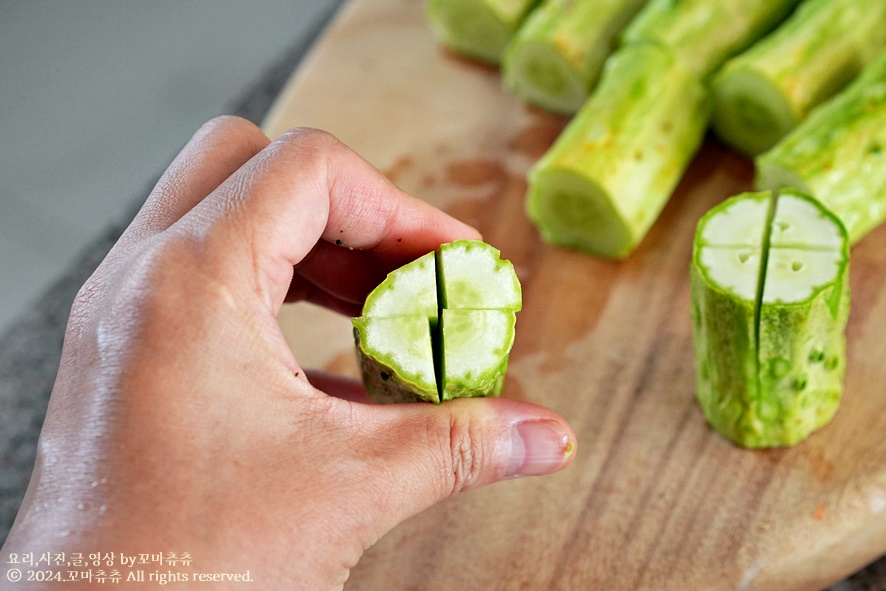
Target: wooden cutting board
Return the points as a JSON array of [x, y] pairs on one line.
[[654, 500]]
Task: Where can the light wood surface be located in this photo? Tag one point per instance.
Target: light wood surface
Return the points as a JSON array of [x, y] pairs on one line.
[[654, 500]]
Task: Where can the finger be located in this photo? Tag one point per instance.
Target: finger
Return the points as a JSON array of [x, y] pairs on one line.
[[303, 290], [431, 452], [306, 186], [347, 275], [338, 386], [215, 152]]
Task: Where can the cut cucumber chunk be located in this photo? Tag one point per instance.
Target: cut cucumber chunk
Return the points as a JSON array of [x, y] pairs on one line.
[[396, 358], [479, 29], [769, 318], [458, 350]]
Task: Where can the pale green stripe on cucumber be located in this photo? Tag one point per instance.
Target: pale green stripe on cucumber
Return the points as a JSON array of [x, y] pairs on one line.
[[770, 302], [838, 154], [479, 29], [704, 34], [557, 54], [607, 177], [763, 93], [458, 350]]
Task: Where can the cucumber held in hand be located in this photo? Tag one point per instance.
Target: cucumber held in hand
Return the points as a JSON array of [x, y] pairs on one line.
[[770, 302], [440, 327], [838, 154], [606, 178], [766, 91], [479, 29], [556, 56]]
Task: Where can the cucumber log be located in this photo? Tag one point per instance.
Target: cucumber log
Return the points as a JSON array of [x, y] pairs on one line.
[[612, 169], [478, 29], [556, 56], [766, 91], [838, 154]]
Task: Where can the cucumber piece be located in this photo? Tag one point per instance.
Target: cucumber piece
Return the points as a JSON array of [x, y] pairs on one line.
[[766, 91], [838, 154], [410, 290], [703, 34], [475, 345], [396, 358], [458, 350], [607, 177], [769, 314], [556, 56], [472, 276], [479, 29]]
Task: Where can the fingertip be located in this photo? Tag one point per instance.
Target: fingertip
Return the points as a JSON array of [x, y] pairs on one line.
[[539, 447]]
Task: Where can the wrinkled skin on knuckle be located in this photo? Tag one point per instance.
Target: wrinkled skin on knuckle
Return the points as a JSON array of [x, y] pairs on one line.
[[464, 454]]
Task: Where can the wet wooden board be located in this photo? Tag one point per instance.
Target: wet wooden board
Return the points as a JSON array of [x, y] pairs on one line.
[[654, 499]]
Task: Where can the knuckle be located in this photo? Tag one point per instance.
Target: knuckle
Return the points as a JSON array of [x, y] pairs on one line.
[[467, 454]]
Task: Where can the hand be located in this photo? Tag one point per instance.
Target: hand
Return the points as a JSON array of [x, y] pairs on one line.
[[180, 420]]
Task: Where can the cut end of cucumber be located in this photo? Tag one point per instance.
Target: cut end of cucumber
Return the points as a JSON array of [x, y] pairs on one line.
[[800, 222], [407, 291], [459, 350], [469, 28], [476, 345], [472, 276], [750, 113], [543, 76], [739, 222], [569, 210]]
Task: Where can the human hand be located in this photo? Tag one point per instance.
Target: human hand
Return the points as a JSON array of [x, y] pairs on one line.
[[180, 418]]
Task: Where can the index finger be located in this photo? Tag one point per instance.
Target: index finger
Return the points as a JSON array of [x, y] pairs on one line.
[[304, 187]]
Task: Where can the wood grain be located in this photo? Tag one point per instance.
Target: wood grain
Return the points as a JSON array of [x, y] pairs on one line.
[[654, 499]]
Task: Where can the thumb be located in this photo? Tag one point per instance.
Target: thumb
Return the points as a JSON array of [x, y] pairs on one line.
[[432, 452]]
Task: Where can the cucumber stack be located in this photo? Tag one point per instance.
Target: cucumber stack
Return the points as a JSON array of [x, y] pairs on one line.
[[763, 93], [479, 29], [838, 154], [440, 327], [556, 56], [770, 302]]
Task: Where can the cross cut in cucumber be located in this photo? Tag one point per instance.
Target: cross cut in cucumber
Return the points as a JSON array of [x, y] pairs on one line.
[[770, 302], [441, 327]]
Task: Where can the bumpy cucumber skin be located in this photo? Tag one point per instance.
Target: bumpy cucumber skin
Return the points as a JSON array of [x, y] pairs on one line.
[[802, 366], [383, 383], [774, 383], [726, 365], [478, 29], [814, 54], [628, 147], [838, 154], [571, 39], [702, 33]]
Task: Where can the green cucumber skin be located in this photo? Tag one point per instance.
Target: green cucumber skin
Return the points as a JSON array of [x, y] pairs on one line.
[[704, 33], [838, 154], [580, 34], [632, 140], [726, 365], [383, 383], [478, 29], [816, 52], [802, 366]]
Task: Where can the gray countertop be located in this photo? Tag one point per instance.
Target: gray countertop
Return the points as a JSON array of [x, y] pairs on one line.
[[30, 349]]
